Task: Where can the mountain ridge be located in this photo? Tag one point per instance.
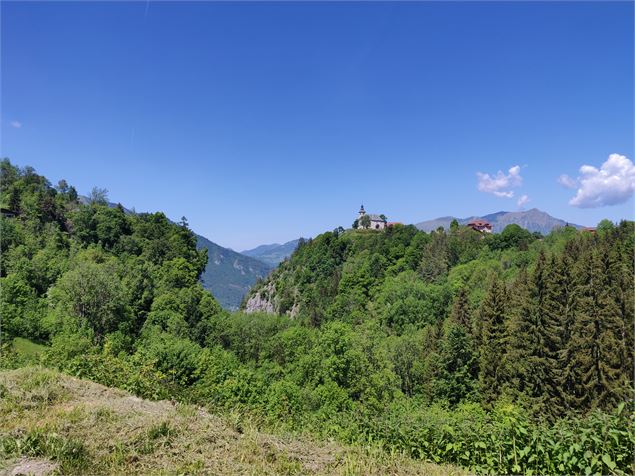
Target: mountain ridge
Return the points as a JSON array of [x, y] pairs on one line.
[[273, 254], [532, 220], [229, 274]]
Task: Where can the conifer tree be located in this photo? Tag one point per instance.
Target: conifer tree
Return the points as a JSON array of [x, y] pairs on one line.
[[458, 366], [492, 317], [518, 341], [434, 263], [596, 346], [550, 290], [621, 277], [568, 285], [534, 338], [460, 313]]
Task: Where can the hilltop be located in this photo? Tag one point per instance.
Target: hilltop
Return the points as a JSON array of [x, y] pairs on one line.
[[75, 426], [531, 220]]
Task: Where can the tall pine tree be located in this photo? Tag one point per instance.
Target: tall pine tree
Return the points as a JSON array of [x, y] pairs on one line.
[[534, 337], [492, 316], [458, 363], [460, 313], [458, 367], [596, 346]]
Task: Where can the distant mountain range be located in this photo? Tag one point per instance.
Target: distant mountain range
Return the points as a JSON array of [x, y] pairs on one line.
[[273, 254], [228, 274], [532, 220]]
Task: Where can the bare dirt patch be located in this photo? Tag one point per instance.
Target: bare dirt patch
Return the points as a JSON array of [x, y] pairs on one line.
[[30, 467]]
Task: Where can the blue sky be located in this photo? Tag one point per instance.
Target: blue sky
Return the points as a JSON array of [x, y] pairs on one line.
[[262, 122]]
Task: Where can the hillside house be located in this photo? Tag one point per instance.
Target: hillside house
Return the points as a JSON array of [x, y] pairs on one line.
[[377, 222], [481, 226]]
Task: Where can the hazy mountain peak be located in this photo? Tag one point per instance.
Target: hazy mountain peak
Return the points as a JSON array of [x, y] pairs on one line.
[[532, 220], [273, 253]]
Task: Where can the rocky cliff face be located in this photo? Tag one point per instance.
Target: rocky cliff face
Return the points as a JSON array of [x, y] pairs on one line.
[[261, 300], [264, 300]]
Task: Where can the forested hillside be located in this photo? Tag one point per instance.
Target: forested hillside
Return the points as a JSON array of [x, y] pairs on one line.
[[509, 353], [229, 275], [94, 271]]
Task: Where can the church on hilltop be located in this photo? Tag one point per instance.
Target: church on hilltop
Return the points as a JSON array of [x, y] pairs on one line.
[[372, 221]]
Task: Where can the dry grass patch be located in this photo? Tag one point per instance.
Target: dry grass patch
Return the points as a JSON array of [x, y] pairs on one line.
[[78, 427]]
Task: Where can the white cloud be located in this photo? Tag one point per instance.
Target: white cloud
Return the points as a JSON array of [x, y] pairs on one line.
[[16, 124], [522, 201], [500, 184], [611, 184], [567, 181]]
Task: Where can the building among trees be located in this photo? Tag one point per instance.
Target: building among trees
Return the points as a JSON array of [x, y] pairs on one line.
[[370, 220], [480, 225]]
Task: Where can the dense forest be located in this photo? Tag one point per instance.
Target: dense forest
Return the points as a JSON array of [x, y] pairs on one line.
[[503, 353]]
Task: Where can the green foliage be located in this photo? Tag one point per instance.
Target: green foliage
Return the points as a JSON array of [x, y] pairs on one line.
[[92, 293], [28, 348], [504, 441], [491, 336], [513, 236], [457, 379], [406, 301], [503, 354]]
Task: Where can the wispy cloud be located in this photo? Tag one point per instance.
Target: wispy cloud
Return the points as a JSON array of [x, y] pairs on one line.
[[567, 181], [522, 201], [500, 184], [16, 124], [613, 183]]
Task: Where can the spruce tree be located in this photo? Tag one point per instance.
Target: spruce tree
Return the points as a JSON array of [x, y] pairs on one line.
[[551, 292], [621, 277], [458, 367], [568, 284], [596, 346], [460, 313], [435, 261], [534, 338], [519, 336], [492, 317]]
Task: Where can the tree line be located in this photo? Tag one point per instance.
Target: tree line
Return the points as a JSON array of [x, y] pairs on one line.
[[451, 346]]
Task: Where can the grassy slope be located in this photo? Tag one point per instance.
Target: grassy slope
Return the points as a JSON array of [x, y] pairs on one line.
[[86, 428]]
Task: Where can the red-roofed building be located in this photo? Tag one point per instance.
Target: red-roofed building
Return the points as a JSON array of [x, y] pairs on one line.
[[480, 225]]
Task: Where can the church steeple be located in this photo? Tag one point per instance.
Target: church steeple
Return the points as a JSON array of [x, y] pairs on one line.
[[362, 212]]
